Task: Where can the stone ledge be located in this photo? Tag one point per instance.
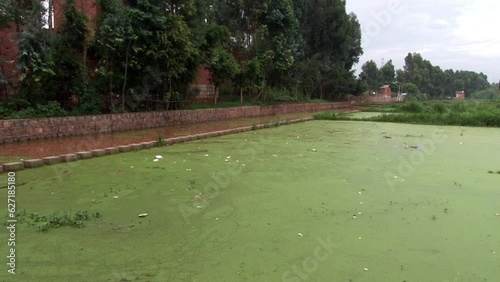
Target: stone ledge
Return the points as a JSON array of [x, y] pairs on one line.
[[69, 158], [125, 148], [51, 160], [147, 145], [112, 150], [33, 163], [137, 146], [98, 152], [8, 167], [84, 155]]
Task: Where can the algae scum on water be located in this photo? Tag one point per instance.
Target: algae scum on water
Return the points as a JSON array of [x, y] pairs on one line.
[[317, 201]]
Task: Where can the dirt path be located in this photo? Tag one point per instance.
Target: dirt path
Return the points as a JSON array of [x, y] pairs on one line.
[[53, 147]]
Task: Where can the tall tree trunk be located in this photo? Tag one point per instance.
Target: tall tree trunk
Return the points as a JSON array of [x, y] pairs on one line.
[[215, 94], [85, 55], [169, 92], [241, 95], [50, 11], [125, 75], [321, 90], [111, 85]]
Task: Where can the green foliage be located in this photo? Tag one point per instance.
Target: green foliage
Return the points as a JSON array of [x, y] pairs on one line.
[[150, 50], [51, 109], [55, 220], [459, 106], [409, 88], [143, 50], [412, 107], [491, 93], [439, 108], [160, 142], [89, 102], [281, 95], [460, 113], [420, 76], [388, 73], [252, 77], [222, 66], [35, 63], [371, 76], [326, 116], [74, 27]]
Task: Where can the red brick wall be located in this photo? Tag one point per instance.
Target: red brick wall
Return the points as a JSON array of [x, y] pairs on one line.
[[201, 87], [460, 95], [385, 91], [33, 129], [202, 76], [9, 52], [89, 8]]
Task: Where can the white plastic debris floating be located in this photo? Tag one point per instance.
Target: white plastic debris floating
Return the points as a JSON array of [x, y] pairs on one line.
[[143, 214], [155, 160], [159, 157], [300, 234]]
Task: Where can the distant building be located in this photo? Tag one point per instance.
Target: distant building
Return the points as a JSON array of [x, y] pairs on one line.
[[202, 91], [460, 95], [385, 91]]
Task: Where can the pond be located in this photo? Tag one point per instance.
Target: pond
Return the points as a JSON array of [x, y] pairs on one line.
[[316, 201]]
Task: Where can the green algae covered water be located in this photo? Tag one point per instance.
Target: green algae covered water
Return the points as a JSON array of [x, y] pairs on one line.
[[317, 201]]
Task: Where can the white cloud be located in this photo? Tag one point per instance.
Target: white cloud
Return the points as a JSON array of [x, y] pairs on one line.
[[458, 34]]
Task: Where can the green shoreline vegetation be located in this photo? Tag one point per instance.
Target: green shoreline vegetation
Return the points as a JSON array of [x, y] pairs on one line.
[[458, 113]]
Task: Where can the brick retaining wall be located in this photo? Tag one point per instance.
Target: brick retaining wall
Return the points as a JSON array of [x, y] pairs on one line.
[[41, 128]]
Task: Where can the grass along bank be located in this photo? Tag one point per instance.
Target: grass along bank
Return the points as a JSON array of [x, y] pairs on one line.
[[459, 113]]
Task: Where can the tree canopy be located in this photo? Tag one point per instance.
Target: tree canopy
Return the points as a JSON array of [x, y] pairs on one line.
[[419, 76], [151, 49]]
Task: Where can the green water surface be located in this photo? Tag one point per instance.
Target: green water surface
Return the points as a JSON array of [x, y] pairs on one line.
[[316, 201]]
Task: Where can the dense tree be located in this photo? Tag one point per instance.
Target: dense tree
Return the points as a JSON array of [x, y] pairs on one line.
[[388, 73], [419, 76], [371, 76], [145, 47], [332, 43]]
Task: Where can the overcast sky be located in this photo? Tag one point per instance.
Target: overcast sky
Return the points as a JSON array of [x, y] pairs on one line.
[[456, 34]]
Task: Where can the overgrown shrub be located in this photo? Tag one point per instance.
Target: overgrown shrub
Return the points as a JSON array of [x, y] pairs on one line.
[[51, 109], [458, 106], [281, 95], [439, 107], [412, 107]]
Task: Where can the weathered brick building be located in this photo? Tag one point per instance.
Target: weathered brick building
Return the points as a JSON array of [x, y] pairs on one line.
[[201, 88], [385, 91], [9, 53]]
